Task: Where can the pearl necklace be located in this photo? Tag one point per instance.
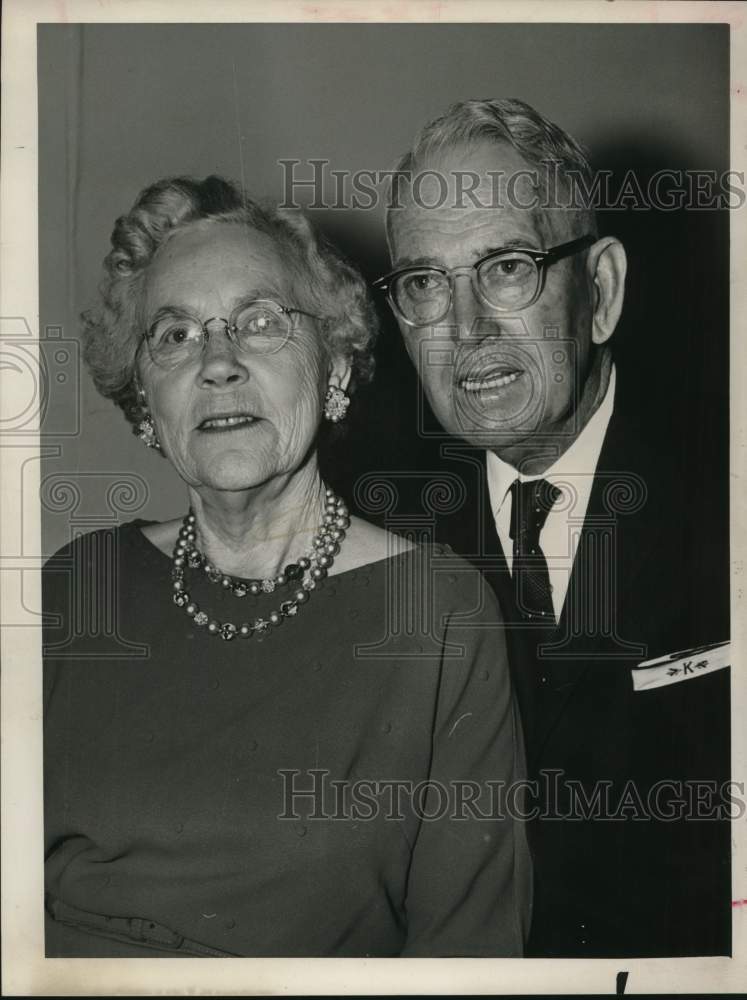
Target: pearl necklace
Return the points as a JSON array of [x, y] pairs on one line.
[[309, 570]]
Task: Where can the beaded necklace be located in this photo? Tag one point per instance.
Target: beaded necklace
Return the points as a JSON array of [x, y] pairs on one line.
[[305, 573]]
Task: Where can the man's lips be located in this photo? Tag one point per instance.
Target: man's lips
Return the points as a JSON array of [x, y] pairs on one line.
[[490, 377], [226, 421]]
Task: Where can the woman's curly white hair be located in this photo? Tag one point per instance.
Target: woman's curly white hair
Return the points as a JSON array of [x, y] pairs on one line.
[[325, 283]]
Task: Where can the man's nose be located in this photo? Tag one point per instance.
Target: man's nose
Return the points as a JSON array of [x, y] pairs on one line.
[[221, 362], [470, 314]]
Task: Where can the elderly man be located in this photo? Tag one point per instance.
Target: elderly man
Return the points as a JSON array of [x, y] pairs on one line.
[[606, 549]]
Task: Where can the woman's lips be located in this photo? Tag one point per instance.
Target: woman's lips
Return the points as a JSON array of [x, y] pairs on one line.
[[228, 422]]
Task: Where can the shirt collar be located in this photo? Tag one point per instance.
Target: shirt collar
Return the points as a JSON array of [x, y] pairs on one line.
[[578, 460]]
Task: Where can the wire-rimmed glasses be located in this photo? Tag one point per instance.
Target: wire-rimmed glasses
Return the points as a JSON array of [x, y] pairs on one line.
[[257, 326]]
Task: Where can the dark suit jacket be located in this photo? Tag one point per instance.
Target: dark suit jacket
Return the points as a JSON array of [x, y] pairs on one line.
[[650, 577]]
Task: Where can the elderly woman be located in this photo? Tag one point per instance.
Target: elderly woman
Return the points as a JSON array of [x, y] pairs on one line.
[[291, 752]]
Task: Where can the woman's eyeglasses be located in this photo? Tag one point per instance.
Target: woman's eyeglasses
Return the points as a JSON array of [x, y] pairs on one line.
[[261, 326], [507, 280]]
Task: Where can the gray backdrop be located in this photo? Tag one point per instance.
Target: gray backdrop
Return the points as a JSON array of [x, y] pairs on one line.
[[122, 105]]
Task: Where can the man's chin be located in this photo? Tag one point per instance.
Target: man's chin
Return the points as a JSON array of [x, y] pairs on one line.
[[483, 435]]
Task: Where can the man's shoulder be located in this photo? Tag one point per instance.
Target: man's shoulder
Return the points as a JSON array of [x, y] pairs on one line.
[[662, 493], [656, 459]]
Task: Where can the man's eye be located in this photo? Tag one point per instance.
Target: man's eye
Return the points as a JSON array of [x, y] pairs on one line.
[[417, 284], [507, 267]]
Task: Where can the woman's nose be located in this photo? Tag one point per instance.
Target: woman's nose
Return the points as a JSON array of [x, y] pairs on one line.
[[221, 362]]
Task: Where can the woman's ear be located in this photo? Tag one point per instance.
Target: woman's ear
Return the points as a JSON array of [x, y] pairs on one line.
[[339, 373], [606, 266]]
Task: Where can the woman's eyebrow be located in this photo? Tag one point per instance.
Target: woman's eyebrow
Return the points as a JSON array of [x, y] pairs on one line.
[[258, 293], [168, 310], [249, 296]]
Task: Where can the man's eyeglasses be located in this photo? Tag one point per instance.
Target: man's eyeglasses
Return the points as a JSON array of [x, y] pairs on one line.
[[261, 326], [507, 280]]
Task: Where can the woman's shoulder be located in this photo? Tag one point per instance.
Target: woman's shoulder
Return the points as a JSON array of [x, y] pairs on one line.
[[90, 545], [434, 571], [367, 544]]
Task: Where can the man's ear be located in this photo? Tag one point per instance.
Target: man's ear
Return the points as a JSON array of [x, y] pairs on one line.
[[339, 372], [606, 266]]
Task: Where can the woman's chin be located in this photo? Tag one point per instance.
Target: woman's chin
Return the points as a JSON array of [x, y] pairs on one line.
[[230, 473]]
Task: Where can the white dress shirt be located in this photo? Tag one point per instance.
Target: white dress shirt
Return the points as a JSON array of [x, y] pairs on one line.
[[573, 474]]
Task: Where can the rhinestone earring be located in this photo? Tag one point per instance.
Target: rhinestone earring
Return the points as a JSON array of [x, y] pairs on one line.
[[336, 403], [146, 428], [147, 433]]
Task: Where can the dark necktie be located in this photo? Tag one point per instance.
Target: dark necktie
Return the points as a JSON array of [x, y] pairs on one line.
[[530, 505]]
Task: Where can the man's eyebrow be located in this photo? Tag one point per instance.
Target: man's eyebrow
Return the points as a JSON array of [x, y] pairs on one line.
[[417, 261], [511, 244]]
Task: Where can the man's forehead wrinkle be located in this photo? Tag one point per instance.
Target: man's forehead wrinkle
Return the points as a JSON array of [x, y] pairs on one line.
[[447, 213], [531, 218], [492, 167], [465, 180], [436, 226], [460, 194], [417, 237]]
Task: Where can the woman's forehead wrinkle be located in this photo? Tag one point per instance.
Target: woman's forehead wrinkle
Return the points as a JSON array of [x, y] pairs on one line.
[[201, 273]]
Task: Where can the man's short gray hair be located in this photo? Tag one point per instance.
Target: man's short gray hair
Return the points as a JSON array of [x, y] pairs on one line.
[[536, 138]]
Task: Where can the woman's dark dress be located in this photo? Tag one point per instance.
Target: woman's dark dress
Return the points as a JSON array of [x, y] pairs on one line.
[[171, 759]]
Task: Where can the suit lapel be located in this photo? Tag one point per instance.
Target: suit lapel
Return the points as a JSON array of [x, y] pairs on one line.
[[471, 532], [600, 625], [474, 535]]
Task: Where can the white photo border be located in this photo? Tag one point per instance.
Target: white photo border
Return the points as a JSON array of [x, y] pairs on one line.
[[25, 969]]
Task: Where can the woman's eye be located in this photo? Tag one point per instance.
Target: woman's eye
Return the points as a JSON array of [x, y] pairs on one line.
[[177, 335], [174, 334], [261, 323], [258, 322]]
